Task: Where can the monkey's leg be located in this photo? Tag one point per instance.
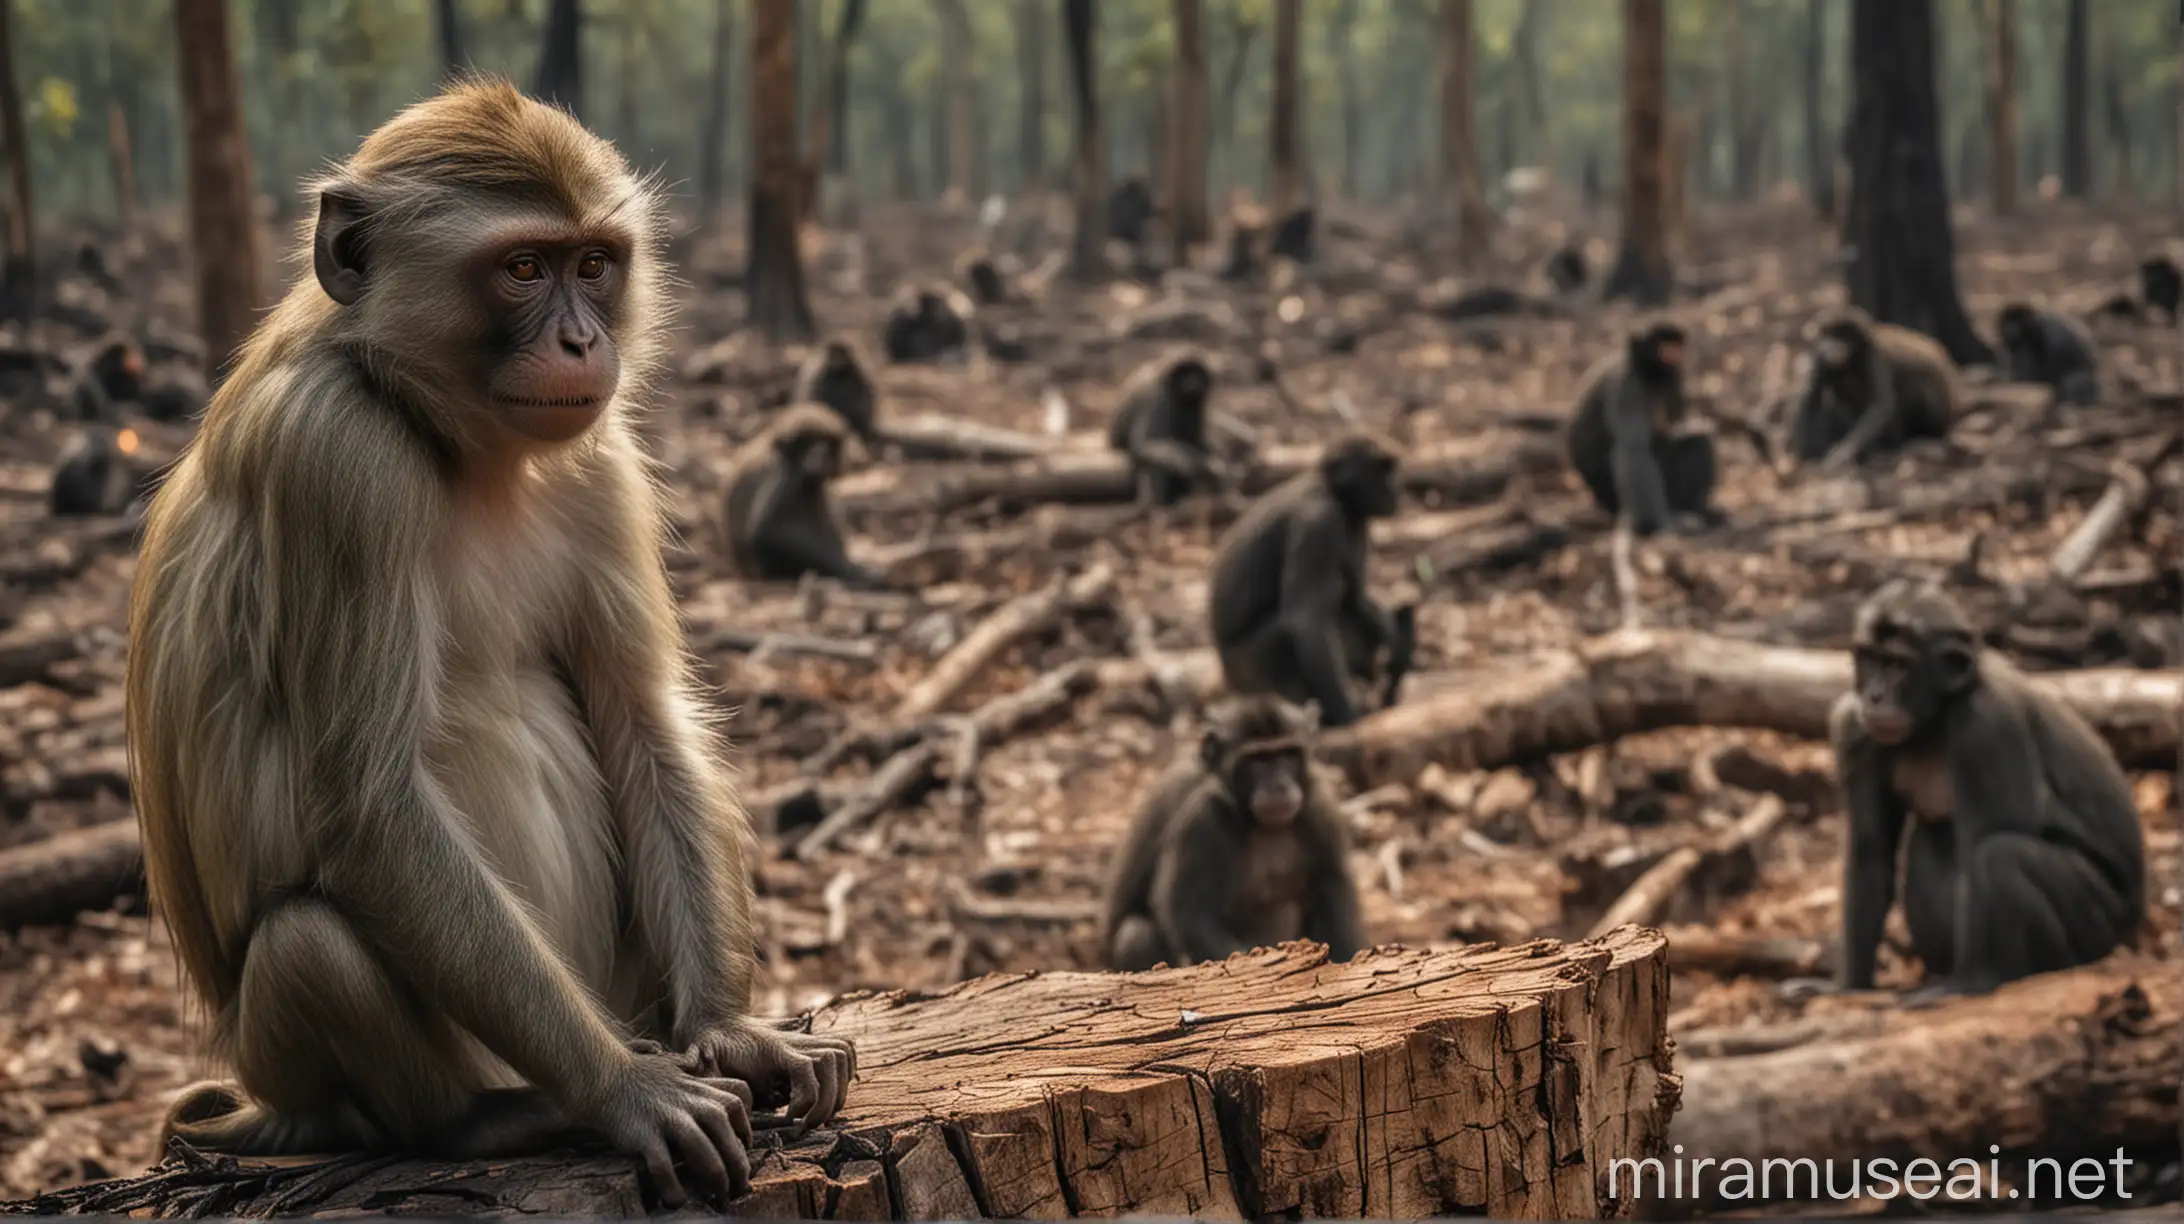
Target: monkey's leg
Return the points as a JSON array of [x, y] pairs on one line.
[[2036, 907], [336, 1055], [1599, 478], [1930, 896], [1137, 945], [2079, 387], [1690, 469]]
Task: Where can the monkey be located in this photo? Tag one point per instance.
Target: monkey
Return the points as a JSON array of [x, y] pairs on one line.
[[832, 375], [1130, 209], [2162, 285], [1627, 439], [429, 805], [1490, 300], [779, 523], [1872, 386], [2025, 852], [982, 276], [1293, 234], [1162, 427], [923, 325], [1566, 268], [1232, 849], [2052, 349], [88, 477], [1288, 603], [112, 373]]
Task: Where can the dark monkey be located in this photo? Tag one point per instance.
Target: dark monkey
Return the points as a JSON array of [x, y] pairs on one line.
[[1233, 849], [922, 325], [88, 476], [2162, 285], [1293, 236], [780, 523], [833, 376], [1290, 610], [1872, 387], [1130, 208], [2025, 852], [983, 278], [1566, 269], [1162, 427], [112, 374], [430, 806], [1627, 441], [2052, 349]]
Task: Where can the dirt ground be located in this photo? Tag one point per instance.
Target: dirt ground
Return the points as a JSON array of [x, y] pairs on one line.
[[1002, 870]]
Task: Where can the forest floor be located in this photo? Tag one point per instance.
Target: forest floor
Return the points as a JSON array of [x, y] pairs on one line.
[[1001, 870]]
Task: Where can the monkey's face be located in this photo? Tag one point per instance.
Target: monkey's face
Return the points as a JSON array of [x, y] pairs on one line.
[[817, 456], [1836, 346], [554, 365], [1905, 678], [1269, 784], [1658, 353], [1365, 481], [2017, 330], [1189, 382]]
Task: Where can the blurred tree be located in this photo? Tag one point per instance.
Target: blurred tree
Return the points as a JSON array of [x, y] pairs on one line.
[[828, 148], [1745, 119], [1999, 18], [1904, 267], [713, 145], [124, 166], [561, 56], [962, 144], [1188, 222], [447, 18], [223, 219], [1641, 271], [18, 268], [1088, 246], [1285, 186], [774, 285], [1820, 143], [1031, 55], [2077, 147], [1352, 120], [1459, 148]]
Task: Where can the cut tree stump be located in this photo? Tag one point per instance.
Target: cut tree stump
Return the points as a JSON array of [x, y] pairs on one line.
[[2060, 1065], [1403, 1083]]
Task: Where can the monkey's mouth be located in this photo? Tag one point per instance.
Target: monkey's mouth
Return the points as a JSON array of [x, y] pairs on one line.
[[574, 401]]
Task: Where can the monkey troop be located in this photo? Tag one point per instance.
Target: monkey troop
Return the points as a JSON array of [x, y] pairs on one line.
[[430, 806]]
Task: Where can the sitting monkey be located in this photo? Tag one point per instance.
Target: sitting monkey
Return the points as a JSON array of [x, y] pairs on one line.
[[1872, 387], [2052, 349], [1628, 441], [1233, 849], [1161, 425], [779, 520]]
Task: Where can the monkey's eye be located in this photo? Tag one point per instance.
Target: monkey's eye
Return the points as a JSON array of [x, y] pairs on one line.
[[525, 269], [593, 266]]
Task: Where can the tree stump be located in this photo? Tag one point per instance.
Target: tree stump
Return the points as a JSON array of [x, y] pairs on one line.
[[1403, 1083]]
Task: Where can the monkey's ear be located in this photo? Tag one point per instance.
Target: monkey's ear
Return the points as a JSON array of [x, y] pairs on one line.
[[1956, 662], [1213, 750], [337, 247]]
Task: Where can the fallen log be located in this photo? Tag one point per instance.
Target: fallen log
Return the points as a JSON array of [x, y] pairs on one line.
[[1016, 620], [1697, 949], [931, 436], [2063, 1065], [1483, 1081], [2128, 488], [1643, 903], [48, 882]]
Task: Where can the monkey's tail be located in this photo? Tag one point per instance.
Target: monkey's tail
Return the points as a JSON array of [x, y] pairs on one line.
[[215, 1116]]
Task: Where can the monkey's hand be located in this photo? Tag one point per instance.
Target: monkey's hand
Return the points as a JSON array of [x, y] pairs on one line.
[[656, 1109], [816, 1069]]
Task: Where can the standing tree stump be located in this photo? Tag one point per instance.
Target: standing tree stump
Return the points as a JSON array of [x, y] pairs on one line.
[[1403, 1083]]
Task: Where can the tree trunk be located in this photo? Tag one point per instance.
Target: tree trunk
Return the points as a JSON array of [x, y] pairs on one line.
[[713, 153], [2117, 112], [1188, 222], [1500, 1082], [1232, 80], [1283, 186], [1904, 271], [774, 285], [561, 57], [1353, 116], [1459, 149], [18, 266], [1088, 247], [223, 220], [123, 162], [955, 25], [1642, 271], [824, 148], [1819, 146], [1744, 118], [2077, 110], [447, 20], [2001, 22], [1031, 54]]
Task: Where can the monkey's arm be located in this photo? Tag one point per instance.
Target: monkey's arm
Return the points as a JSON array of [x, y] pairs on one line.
[[1869, 860], [1880, 413], [1334, 918], [1193, 886], [794, 532], [684, 833], [1314, 556], [1638, 483]]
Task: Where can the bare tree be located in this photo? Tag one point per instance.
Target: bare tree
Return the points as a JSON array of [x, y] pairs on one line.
[[561, 57], [1088, 247], [1745, 120], [1031, 54], [1353, 116], [2077, 109], [1904, 271], [2001, 27], [955, 24], [1642, 269], [124, 165], [223, 226], [713, 142], [1459, 148], [774, 285], [18, 268], [448, 21], [826, 151], [1189, 222], [1285, 188], [1819, 133]]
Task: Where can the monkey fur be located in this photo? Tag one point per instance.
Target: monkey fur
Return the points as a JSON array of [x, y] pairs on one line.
[[780, 525], [2052, 349], [833, 375], [1872, 387], [923, 325], [88, 477], [1233, 848], [430, 805], [1627, 439], [1130, 210], [1161, 425]]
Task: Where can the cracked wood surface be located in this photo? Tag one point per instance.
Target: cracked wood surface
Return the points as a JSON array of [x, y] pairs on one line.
[[1404, 1083]]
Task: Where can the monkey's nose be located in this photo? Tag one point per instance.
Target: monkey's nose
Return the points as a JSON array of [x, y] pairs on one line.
[[578, 341]]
